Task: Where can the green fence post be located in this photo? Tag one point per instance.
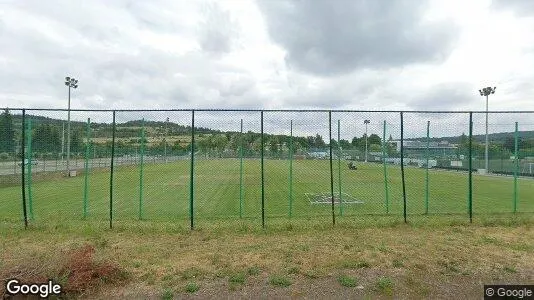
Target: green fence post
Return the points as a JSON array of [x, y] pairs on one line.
[[241, 172], [339, 166], [384, 154], [141, 167], [470, 164], [262, 177], [516, 163], [86, 167], [29, 164], [331, 168], [402, 166], [291, 169], [192, 173], [22, 167], [427, 167], [111, 173]]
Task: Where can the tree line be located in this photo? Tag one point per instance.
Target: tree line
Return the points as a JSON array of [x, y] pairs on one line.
[[48, 136]]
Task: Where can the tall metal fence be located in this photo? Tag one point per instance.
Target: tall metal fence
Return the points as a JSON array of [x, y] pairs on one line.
[[199, 165]]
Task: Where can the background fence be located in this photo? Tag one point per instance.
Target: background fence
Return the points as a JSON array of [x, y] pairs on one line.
[[251, 164]]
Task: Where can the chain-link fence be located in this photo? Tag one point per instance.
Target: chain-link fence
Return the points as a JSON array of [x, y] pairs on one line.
[[196, 166]]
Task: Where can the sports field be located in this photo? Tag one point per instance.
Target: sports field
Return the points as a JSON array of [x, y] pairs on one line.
[[166, 192]]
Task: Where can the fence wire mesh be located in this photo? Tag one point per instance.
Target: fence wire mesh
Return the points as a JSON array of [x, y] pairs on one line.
[[184, 166]]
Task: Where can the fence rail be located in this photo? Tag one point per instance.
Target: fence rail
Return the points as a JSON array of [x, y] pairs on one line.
[[260, 164]]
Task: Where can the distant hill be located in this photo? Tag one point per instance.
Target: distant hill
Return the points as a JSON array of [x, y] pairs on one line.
[[496, 137], [126, 129], [131, 129]]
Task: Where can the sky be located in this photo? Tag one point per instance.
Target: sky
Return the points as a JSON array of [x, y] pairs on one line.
[[270, 54]]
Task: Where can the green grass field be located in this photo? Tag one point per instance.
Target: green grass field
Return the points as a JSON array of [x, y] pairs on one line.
[[217, 190]]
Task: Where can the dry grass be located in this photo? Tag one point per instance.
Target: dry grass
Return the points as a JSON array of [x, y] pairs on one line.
[[75, 268], [399, 261]]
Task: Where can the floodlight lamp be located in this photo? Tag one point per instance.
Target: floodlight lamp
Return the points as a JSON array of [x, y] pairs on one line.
[[66, 83], [75, 86], [67, 78]]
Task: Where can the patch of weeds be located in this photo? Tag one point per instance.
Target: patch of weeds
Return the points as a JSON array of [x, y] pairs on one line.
[[420, 266], [397, 263], [167, 294], [490, 240], [363, 264], [279, 280], [347, 281], [293, 270], [288, 256], [253, 271], [456, 228], [192, 287], [450, 266], [224, 272], [237, 278], [236, 281], [354, 264], [141, 249], [385, 285], [304, 248], [383, 248], [466, 273], [206, 238], [136, 264], [313, 273], [149, 277], [167, 277], [218, 260], [101, 242], [191, 273], [509, 269], [253, 247], [522, 247]]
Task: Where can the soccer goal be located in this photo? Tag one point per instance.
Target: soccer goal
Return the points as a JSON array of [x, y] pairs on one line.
[[326, 198]]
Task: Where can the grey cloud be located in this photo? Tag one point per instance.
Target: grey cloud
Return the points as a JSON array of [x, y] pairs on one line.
[[114, 69], [217, 31], [351, 91], [520, 7], [152, 15], [445, 96], [335, 37]]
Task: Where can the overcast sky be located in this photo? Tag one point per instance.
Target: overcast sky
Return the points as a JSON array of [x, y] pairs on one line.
[[332, 54]]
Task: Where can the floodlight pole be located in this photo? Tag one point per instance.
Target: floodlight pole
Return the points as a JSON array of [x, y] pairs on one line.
[[486, 92], [70, 82], [68, 136], [487, 139]]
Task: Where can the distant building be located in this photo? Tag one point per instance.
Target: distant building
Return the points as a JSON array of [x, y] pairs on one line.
[[442, 148], [319, 154]]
